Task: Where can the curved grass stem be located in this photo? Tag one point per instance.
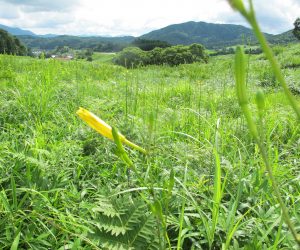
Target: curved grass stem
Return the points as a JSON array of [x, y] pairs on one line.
[[240, 72], [274, 64]]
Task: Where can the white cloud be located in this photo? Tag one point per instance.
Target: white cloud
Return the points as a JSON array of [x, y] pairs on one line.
[[42, 5], [278, 16], [136, 17], [9, 12]]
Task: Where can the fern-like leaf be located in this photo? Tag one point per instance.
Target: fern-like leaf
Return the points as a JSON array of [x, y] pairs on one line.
[[124, 223]]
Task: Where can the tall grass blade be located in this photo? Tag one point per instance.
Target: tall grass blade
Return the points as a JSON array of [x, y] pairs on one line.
[[15, 243]]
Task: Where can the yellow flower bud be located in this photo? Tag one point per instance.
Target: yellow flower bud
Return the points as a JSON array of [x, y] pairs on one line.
[[103, 128], [96, 123]]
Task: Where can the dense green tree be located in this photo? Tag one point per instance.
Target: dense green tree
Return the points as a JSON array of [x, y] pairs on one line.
[[296, 30], [174, 55], [84, 54], [198, 52], [179, 54], [11, 45], [148, 45], [131, 57], [88, 53], [155, 56]]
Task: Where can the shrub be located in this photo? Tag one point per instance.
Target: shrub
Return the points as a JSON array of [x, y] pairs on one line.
[[175, 55], [130, 57], [155, 56]]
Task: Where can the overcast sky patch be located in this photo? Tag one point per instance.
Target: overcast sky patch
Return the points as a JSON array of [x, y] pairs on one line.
[[42, 5], [136, 17]]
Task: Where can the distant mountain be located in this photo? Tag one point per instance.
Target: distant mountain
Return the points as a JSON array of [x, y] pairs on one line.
[[106, 44], [16, 31], [285, 37], [211, 35], [48, 35]]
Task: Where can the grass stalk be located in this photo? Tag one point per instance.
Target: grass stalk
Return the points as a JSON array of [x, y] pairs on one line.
[[275, 66], [250, 17], [243, 101], [181, 217]]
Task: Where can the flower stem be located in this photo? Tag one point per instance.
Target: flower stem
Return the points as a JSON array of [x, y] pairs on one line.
[[131, 144]]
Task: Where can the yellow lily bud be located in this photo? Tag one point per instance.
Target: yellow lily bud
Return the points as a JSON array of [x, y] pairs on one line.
[[103, 128], [96, 123]]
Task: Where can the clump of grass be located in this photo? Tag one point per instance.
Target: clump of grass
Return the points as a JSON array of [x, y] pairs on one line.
[[267, 78]]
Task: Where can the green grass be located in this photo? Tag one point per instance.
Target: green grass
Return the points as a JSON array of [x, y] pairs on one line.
[[60, 181], [103, 57]]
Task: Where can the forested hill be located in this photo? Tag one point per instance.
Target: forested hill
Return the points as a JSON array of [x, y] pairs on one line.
[[105, 44], [211, 35], [285, 37], [10, 44]]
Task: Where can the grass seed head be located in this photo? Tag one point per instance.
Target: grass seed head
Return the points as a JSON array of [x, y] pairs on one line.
[[260, 99], [238, 5]]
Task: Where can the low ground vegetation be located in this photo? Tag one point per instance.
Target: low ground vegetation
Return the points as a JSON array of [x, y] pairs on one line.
[[63, 186]]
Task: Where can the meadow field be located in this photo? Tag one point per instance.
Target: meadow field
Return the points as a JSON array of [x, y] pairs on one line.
[[202, 183]]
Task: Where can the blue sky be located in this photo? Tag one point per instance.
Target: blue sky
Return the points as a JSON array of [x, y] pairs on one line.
[[136, 17]]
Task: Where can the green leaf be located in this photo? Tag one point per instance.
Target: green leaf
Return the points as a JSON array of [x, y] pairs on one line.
[[15, 243]]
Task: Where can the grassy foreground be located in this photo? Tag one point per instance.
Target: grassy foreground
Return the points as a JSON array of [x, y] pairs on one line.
[[202, 184]]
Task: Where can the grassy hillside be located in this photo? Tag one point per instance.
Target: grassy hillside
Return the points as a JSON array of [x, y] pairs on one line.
[[63, 186], [103, 57]]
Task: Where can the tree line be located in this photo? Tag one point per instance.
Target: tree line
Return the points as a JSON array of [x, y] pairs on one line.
[[11, 45]]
